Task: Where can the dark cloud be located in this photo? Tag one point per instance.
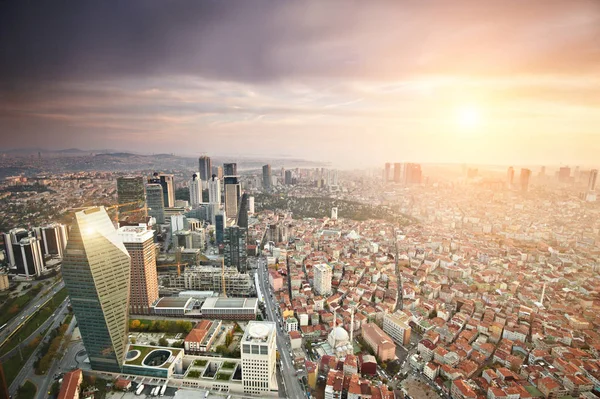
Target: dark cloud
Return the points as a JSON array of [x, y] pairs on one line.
[[256, 41]]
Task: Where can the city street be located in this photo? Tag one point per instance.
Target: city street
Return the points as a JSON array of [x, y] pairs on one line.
[[27, 372], [292, 386], [29, 310]]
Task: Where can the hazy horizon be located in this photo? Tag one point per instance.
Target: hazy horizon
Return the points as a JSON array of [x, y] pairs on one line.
[[354, 84]]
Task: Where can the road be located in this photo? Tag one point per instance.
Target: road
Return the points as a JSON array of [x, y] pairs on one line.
[[27, 369], [29, 310], [292, 388], [65, 363], [33, 335]]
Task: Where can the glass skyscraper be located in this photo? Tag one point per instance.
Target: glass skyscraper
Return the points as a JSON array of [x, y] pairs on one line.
[[96, 271]]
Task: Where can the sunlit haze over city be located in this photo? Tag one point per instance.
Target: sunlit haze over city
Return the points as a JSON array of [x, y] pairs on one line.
[[320, 199]]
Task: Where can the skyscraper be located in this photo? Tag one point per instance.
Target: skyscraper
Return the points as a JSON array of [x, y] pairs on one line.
[[230, 169], [219, 228], [235, 252], [322, 279], [242, 216], [96, 270], [266, 172], [510, 177], [168, 189], [214, 190], [53, 238], [288, 177], [592, 179], [564, 174], [524, 179], [28, 257], [139, 241], [251, 205], [397, 172], [205, 167], [386, 175], [156, 205], [259, 357], [195, 191], [130, 190], [413, 174], [233, 192]]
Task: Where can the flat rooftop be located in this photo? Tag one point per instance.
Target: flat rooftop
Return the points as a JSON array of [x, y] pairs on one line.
[[171, 302], [259, 332], [230, 303]]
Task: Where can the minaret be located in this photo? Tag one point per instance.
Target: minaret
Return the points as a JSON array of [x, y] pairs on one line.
[[334, 318], [543, 294], [352, 326]]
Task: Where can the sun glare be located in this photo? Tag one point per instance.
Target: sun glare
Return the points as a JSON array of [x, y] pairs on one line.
[[468, 116]]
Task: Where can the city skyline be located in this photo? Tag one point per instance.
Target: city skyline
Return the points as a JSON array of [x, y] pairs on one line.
[[462, 80]]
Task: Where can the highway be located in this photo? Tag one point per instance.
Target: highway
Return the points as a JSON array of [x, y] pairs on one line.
[[292, 386], [29, 310], [27, 369]]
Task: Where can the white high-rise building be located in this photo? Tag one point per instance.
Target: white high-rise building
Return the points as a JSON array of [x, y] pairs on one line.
[[195, 191], [214, 190], [334, 213], [259, 357], [322, 279], [178, 222], [251, 205]]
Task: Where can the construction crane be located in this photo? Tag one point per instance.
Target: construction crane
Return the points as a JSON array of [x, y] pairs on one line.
[[177, 260], [117, 206]]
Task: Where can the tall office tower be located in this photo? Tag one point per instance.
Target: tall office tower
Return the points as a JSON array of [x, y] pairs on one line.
[[205, 167], [195, 191], [53, 238], [386, 175], [219, 228], [413, 174], [235, 251], [288, 177], [524, 179], [251, 205], [156, 205], [96, 270], [564, 174], [233, 192], [397, 172], [242, 216], [510, 177], [131, 191], [178, 222], [28, 257], [139, 241], [230, 169], [266, 172], [592, 179], [334, 213], [214, 190], [259, 357], [218, 171], [322, 279], [542, 171], [332, 177], [168, 189], [10, 238]]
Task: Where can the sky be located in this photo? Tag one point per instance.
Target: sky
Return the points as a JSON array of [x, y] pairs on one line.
[[354, 83]]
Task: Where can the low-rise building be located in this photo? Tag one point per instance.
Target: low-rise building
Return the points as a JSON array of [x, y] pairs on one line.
[[381, 343]]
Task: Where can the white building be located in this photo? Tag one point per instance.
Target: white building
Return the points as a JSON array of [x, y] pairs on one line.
[[251, 205], [195, 191], [397, 327], [291, 324], [322, 280], [214, 190], [334, 213], [258, 357], [178, 222]]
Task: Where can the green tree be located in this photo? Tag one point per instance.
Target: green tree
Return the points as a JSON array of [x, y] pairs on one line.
[[163, 342]]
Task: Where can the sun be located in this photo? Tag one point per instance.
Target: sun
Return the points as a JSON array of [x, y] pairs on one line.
[[468, 116]]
